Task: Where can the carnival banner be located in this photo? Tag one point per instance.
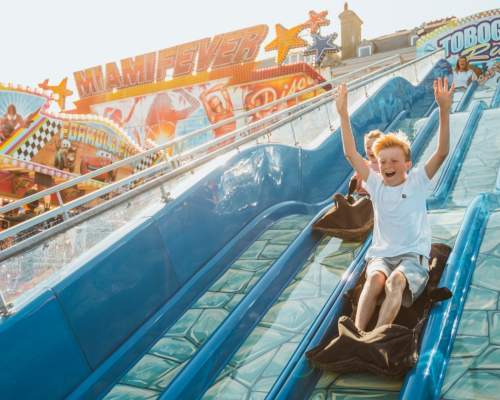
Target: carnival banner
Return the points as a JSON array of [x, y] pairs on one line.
[[162, 116], [476, 37]]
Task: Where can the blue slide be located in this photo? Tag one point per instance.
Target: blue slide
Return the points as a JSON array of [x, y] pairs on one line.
[[472, 168], [219, 293]]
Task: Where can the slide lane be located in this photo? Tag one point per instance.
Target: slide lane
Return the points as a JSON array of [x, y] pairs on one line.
[[474, 367], [472, 371], [154, 371], [477, 173], [177, 346], [234, 376], [282, 328], [188, 385]]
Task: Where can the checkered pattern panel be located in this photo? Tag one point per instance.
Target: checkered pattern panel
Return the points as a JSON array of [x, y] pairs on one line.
[[146, 162], [38, 139]]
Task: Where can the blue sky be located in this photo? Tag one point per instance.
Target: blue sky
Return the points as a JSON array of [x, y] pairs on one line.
[[53, 38]]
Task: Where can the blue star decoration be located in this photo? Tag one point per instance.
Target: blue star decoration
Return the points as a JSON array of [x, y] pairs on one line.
[[322, 45]]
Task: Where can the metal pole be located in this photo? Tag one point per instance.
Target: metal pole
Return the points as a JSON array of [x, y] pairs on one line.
[[4, 306], [165, 196], [296, 143], [61, 204], [330, 125]]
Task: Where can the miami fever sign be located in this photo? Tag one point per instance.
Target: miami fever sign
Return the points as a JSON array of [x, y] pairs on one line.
[[214, 53]]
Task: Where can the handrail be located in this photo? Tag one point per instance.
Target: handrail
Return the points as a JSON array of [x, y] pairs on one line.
[[64, 208], [414, 61], [173, 142]]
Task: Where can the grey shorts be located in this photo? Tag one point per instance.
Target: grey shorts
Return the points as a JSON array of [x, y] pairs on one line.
[[413, 266]]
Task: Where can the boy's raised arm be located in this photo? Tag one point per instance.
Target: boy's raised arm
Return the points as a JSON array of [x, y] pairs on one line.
[[444, 99], [348, 143]]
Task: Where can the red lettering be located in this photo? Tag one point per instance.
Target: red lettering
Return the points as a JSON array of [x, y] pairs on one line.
[[226, 53], [138, 70], [166, 61], [184, 61], [113, 77], [149, 67], [220, 51], [89, 81], [250, 44], [207, 51]]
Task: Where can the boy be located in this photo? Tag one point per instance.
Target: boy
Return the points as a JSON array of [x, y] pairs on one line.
[[371, 160], [398, 256]]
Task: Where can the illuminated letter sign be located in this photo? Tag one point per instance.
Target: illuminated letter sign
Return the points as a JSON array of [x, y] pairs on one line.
[[138, 70], [221, 51], [89, 81]]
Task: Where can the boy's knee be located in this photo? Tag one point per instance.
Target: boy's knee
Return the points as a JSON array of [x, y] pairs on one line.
[[376, 279], [396, 283]]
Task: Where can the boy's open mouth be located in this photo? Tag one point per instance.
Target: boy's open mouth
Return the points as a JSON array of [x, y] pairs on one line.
[[389, 174]]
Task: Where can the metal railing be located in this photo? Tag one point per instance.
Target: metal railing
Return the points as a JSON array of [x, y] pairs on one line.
[[171, 143], [27, 264], [172, 168]]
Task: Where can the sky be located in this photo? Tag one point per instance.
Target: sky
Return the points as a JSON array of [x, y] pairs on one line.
[[53, 38]]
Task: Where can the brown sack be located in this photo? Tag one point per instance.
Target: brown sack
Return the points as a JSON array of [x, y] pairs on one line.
[[389, 350], [348, 219]]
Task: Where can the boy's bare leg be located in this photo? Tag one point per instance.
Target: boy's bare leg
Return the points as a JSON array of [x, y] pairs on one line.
[[372, 288], [394, 288]]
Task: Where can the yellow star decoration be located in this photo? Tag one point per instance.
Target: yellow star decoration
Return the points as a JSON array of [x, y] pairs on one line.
[[285, 40]]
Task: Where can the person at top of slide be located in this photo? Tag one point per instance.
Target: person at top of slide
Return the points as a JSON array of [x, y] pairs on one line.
[[463, 74]]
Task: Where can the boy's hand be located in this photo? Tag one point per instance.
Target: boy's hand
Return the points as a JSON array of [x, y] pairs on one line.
[[443, 94], [341, 99]]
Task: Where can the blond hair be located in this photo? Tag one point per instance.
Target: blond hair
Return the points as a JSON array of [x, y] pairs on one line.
[[373, 135], [393, 140]]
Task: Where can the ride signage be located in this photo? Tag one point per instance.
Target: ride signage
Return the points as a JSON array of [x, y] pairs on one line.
[[478, 42], [202, 55], [476, 37]]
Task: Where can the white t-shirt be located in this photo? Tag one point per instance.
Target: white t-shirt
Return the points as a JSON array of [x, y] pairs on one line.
[[401, 223], [460, 78]]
